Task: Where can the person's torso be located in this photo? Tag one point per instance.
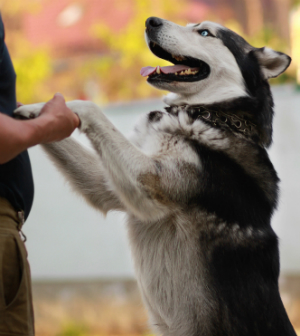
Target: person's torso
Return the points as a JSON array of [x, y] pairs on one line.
[[16, 183]]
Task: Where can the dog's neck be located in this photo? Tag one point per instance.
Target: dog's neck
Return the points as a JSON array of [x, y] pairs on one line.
[[207, 95], [236, 123]]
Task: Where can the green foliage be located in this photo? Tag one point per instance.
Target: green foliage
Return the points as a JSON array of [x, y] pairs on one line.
[[265, 37], [15, 7], [32, 66], [32, 70]]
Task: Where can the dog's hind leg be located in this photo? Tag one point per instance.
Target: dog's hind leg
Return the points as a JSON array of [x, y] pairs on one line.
[[85, 173]]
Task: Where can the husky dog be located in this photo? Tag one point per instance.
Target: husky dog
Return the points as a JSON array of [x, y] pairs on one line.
[[195, 181]]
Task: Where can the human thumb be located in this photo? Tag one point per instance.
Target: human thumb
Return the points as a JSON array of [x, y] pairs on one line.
[[58, 94]]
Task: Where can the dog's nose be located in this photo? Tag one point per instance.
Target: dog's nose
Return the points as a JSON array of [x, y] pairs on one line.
[[153, 22]]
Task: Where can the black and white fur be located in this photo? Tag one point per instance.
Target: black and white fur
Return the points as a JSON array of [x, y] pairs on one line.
[[199, 198]]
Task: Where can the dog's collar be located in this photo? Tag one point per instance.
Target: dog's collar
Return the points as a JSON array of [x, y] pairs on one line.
[[219, 119]]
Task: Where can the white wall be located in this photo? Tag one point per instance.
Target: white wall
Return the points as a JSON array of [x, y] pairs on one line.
[[69, 239]]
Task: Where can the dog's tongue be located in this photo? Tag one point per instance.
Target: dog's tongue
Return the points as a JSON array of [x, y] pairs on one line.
[[146, 71]]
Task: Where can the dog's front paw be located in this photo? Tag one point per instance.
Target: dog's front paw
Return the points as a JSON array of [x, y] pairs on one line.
[[87, 111], [28, 111]]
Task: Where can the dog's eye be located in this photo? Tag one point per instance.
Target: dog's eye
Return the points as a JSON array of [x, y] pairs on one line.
[[204, 33]]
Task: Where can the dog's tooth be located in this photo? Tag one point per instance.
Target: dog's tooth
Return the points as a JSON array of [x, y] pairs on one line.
[[158, 70]]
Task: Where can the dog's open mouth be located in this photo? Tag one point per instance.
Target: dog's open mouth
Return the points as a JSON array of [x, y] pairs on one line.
[[185, 68]]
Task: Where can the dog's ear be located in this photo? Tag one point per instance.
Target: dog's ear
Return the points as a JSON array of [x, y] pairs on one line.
[[272, 63]]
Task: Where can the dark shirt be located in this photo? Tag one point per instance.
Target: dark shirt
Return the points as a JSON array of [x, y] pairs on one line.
[[16, 183]]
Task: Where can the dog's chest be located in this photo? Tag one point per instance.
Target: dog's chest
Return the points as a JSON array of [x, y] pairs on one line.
[[161, 133], [167, 261], [154, 136]]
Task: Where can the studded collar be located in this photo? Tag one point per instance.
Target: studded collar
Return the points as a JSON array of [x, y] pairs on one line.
[[219, 119]]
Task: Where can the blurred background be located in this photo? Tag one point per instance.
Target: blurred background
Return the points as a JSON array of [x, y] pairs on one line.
[[83, 279]]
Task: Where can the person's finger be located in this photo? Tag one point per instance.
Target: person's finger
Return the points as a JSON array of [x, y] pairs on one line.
[[58, 94], [58, 98]]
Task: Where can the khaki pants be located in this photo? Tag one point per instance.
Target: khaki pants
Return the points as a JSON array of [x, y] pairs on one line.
[[16, 312]]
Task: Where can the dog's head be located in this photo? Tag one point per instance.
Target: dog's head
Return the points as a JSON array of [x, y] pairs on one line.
[[212, 64]]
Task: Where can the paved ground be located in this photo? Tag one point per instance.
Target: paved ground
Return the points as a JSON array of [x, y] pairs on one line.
[[113, 307]]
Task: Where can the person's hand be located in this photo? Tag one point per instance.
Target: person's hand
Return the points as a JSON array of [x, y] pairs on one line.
[[58, 120], [55, 122]]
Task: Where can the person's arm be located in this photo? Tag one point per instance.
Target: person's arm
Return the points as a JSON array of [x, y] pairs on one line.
[[55, 123]]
